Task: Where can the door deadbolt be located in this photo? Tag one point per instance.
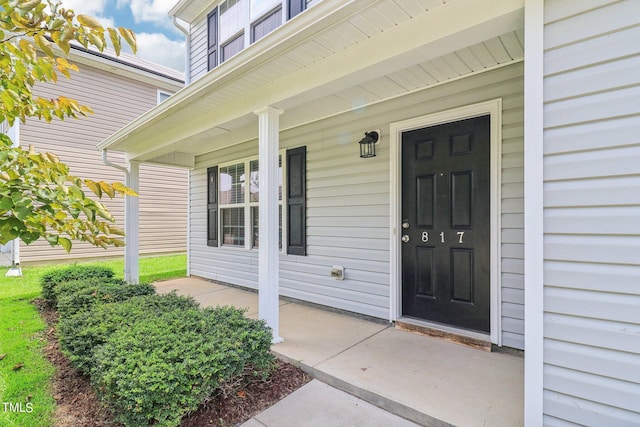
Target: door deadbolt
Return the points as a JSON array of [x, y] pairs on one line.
[[405, 225], [405, 238]]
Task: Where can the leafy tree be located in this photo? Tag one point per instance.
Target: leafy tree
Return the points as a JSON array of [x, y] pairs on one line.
[[38, 196]]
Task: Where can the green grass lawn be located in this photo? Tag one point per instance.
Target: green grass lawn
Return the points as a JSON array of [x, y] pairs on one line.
[[20, 341]]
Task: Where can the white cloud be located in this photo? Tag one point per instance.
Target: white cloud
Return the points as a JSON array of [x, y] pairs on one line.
[[154, 11], [154, 47], [158, 48], [95, 8]]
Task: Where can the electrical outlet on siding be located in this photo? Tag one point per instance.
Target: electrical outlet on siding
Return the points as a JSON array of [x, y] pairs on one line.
[[337, 272]]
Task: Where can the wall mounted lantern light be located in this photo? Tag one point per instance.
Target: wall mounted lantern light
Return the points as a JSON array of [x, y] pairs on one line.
[[368, 144]]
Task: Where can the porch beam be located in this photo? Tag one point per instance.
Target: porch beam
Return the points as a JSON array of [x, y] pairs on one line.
[[132, 226], [268, 178]]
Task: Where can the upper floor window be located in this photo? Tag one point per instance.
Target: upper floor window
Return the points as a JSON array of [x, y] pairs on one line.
[[232, 47], [233, 18], [297, 6], [260, 7], [235, 24], [266, 24]]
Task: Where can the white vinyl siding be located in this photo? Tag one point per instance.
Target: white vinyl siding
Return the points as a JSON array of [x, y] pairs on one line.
[[115, 101], [348, 203], [198, 57], [592, 206]]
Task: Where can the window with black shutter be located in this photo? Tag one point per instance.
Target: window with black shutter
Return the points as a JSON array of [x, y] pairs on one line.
[[297, 201], [212, 206], [233, 193], [212, 37]]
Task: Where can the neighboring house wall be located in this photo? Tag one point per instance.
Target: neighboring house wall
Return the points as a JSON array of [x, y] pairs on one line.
[[115, 100], [348, 204], [592, 206]]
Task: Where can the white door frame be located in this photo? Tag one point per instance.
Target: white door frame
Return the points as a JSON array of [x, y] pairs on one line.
[[494, 109]]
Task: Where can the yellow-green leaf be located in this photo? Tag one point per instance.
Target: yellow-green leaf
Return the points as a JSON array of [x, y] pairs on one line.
[[29, 4], [96, 41], [116, 230], [27, 48], [44, 44], [89, 21], [56, 24], [94, 187], [65, 243], [121, 188], [52, 158], [115, 40], [129, 37], [108, 189]]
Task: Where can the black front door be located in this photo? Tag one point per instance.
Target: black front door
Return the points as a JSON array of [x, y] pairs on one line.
[[445, 226]]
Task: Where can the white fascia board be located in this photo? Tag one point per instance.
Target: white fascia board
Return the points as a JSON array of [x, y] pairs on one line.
[[189, 10]]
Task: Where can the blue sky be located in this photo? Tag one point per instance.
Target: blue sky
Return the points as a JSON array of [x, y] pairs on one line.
[[158, 39]]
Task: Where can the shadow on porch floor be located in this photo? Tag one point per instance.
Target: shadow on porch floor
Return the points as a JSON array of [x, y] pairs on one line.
[[426, 380]]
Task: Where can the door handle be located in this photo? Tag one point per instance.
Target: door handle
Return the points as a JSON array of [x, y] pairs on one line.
[[405, 238]]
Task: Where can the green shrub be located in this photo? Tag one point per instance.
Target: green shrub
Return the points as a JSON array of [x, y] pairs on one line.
[[76, 296], [80, 335], [50, 281], [159, 369]]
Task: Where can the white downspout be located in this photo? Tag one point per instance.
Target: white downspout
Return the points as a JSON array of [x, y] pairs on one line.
[[131, 220], [187, 45], [106, 161]]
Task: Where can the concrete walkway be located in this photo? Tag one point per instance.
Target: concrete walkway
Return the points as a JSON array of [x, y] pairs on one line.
[[410, 377]]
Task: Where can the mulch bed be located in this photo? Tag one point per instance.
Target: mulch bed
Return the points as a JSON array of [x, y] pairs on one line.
[[77, 405]]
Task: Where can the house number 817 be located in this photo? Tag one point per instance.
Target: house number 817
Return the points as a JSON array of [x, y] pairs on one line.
[[425, 236]]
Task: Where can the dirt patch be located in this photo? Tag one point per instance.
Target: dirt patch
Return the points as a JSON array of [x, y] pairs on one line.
[[77, 405]]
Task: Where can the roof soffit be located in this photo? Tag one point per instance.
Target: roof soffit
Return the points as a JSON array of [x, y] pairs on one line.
[[189, 10], [373, 57]]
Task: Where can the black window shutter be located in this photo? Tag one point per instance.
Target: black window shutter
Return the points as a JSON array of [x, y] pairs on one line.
[[297, 201], [295, 7], [212, 206], [212, 40]]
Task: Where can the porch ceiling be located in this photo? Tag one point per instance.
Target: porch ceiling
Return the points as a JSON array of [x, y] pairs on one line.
[[336, 57]]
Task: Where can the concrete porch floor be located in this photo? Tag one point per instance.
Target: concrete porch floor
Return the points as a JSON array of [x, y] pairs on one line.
[[426, 380]]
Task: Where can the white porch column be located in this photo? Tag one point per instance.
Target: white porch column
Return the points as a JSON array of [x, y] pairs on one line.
[[132, 226], [268, 177]]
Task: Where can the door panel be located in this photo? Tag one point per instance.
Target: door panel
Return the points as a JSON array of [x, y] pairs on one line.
[[446, 223]]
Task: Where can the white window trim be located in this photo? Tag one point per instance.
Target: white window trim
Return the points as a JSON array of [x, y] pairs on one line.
[[247, 204], [494, 109]]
